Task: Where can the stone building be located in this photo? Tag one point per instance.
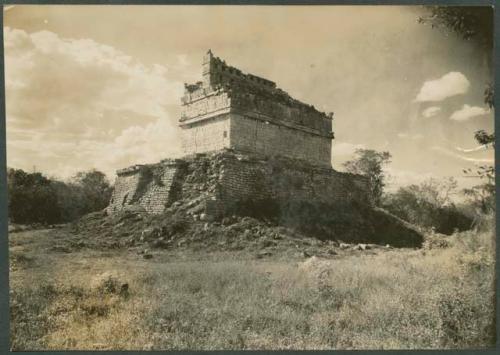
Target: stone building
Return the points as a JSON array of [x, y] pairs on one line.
[[246, 142], [251, 149], [252, 142], [247, 113]]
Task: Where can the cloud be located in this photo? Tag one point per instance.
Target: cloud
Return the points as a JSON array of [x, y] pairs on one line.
[[467, 112], [397, 178], [408, 136], [345, 148], [451, 84], [431, 111], [479, 148], [452, 154], [87, 104]]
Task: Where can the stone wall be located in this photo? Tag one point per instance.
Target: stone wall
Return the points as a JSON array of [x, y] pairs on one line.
[[217, 73], [315, 200], [275, 122], [225, 181], [206, 136], [210, 103], [267, 138], [149, 187], [248, 179], [160, 190]]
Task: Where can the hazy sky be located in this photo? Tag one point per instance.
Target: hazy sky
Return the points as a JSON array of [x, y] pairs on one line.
[[100, 86]]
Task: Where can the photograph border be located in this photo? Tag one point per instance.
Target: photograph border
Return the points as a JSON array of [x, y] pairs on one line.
[[4, 246]]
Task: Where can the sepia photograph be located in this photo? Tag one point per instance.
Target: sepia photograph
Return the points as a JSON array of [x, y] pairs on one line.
[[225, 177]]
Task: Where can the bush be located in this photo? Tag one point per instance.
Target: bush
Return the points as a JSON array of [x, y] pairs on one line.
[[32, 198], [429, 205], [35, 198]]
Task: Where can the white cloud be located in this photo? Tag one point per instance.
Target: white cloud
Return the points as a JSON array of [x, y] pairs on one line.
[[87, 104], [343, 152], [479, 148], [408, 136], [451, 84], [345, 148], [397, 178], [484, 160], [467, 112], [431, 111]]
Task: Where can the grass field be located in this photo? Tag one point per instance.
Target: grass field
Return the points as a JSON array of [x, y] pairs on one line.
[[440, 296]]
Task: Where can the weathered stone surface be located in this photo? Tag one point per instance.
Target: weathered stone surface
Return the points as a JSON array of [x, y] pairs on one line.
[[152, 187], [252, 150], [225, 183], [229, 109]]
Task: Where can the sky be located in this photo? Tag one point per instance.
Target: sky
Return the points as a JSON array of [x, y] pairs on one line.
[[100, 86]]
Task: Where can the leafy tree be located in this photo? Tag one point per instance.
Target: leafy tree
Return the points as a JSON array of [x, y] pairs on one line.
[[370, 163], [96, 189], [34, 198], [482, 196], [31, 198], [429, 205], [484, 138], [472, 23]]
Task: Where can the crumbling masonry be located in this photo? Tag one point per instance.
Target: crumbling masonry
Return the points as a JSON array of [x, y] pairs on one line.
[[230, 111], [249, 148]]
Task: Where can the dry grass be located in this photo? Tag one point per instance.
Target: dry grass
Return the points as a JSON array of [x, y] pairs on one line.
[[432, 298]]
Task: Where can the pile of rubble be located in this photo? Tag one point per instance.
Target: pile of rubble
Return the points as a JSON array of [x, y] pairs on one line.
[[145, 234]]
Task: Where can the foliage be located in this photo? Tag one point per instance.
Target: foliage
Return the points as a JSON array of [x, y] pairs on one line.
[[35, 198], [95, 189], [489, 96], [482, 196], [469, 22], [484, 138], [32, 198], [370, 163], [429, 205]]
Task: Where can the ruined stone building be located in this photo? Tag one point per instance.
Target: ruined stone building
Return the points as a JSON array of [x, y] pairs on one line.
[[247, 113], [252, 149], [252, 142]]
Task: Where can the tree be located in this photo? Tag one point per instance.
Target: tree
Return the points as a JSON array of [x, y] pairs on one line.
[[35, 198], [96, 189], [370, 163], [429, 205], [31, 198], [482, 196], [472, 23]]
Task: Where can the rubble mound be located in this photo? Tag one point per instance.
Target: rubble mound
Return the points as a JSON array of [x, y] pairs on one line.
[[180, 228], [209, 195]]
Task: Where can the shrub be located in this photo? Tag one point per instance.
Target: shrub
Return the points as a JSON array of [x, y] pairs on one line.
[[429, 205], [35, 198]]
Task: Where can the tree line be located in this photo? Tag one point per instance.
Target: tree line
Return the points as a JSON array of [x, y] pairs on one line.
[[429, 204], [36, 198]]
